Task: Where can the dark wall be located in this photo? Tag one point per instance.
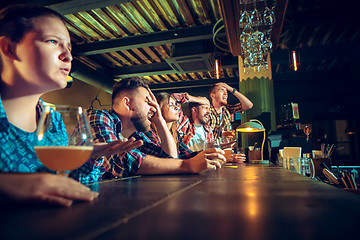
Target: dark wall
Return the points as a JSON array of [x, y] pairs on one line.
[[325, 101]]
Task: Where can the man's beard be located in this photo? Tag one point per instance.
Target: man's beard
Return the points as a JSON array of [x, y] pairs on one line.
[[140, 123], [203, 121], [223, 101]]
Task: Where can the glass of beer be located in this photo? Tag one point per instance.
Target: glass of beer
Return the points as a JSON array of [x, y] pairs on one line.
[[228, 136], [63, 148]]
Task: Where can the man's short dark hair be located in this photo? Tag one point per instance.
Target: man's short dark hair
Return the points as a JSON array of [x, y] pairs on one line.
[[127, 84], [191, 106], [211, 88], [16, 20]]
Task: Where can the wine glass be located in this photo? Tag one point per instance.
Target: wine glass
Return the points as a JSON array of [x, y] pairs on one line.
[[269, 16], [59, 149], [307, 131], [244, 19], [227, 136], [227, 140], [255, 18]]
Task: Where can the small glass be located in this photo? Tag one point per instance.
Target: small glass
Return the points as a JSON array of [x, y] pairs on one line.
[[212, 144], [237, 153], [268, 16], [228, 136], [228, 154], [305, 166], [280, 160], [294, 164]]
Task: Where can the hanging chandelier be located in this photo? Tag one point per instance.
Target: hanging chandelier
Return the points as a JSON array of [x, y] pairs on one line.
[[256, 20]]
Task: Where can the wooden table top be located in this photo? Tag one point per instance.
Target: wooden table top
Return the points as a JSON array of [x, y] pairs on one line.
[[241, 202]]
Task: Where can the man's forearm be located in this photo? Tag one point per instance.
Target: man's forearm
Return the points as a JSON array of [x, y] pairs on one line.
[[155, 165], [200, 100], [167, 141], [246, 103]]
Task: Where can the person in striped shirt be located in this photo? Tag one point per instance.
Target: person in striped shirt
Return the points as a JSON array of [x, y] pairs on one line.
[[220, 115]]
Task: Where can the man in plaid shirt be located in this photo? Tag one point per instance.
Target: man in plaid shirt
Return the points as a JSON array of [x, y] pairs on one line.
[[133, 109], [195, 132], [220, 116]]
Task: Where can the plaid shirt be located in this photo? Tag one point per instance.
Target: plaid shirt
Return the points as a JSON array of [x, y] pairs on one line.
[[183, 151], [222, 122], [17, 148], [186, 128], [107, 128]]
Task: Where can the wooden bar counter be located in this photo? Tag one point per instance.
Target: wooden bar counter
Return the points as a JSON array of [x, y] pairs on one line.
[[239, 202]]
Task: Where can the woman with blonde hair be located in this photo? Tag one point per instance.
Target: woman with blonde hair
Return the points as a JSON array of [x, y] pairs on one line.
[[170, 112]]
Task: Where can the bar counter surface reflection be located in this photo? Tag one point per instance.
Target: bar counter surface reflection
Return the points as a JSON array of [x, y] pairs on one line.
[[248, 202]]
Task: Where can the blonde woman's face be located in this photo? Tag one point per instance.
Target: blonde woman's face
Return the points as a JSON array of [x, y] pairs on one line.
[[170, 111]]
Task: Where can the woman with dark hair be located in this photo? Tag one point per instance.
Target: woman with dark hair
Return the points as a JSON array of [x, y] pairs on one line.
[[35, 58]]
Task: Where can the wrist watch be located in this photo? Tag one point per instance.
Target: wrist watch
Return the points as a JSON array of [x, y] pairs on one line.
[[233, 91]]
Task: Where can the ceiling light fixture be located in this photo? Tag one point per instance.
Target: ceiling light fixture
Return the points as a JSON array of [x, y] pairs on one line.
[[217, 68], [294, 58]]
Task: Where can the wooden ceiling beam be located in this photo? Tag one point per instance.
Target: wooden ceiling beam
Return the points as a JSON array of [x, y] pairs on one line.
[[163, 68], [143, 70], [307, 55], [65, 7], [144, 40], [230, 10], [277, 77], [280, 10], [98, 78]]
